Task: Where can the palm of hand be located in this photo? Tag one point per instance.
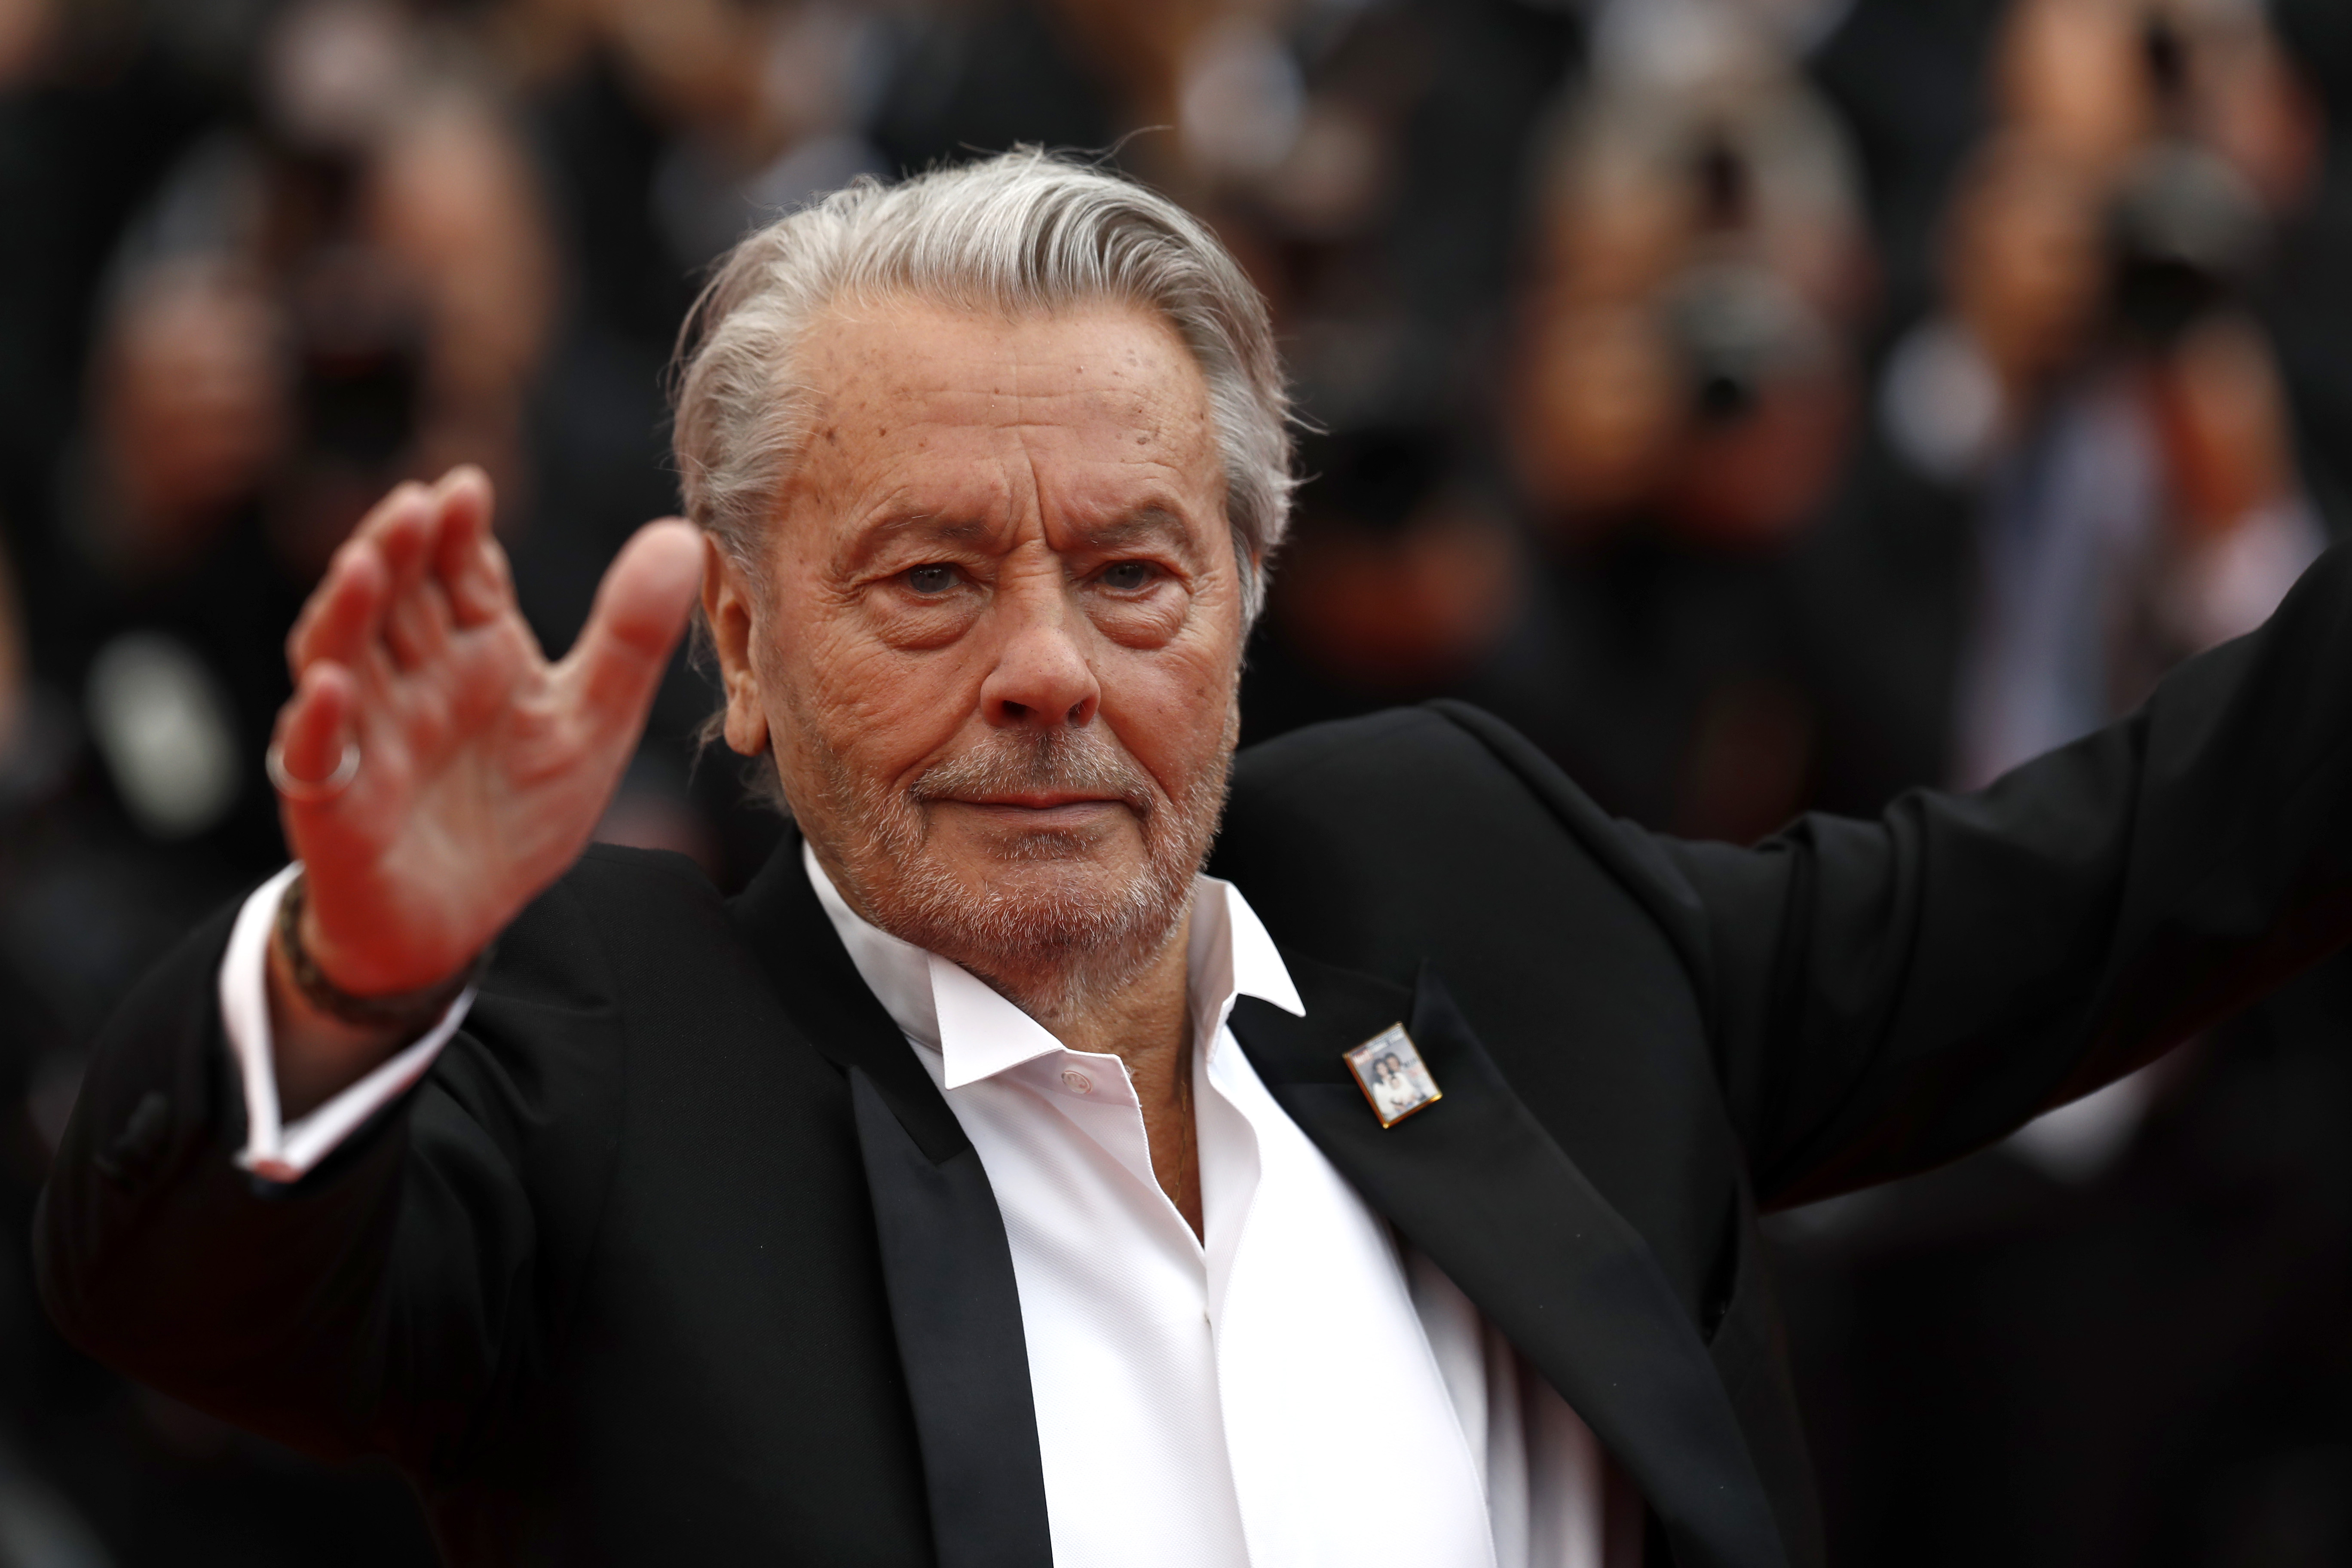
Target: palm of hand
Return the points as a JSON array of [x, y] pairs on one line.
[[484, 767]]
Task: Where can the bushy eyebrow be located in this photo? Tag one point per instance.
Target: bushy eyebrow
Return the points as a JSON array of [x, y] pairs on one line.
[[930, 527], [1149, 524]]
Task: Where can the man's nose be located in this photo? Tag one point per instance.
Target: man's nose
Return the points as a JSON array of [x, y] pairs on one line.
[[1043, 676]]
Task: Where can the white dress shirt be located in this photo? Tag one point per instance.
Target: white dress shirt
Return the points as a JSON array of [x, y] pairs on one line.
[[1293, 1389]]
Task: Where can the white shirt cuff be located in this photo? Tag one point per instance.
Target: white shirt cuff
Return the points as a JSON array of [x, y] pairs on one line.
[[286, 1152]]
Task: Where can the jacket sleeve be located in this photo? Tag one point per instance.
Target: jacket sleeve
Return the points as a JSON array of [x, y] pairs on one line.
[[1887, 995], [397, 1296]]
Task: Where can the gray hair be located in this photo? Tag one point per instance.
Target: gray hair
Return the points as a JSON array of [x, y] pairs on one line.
[[1021, 232]]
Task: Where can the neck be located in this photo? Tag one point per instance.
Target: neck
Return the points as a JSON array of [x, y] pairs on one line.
[[1146, 1021], [1144, 1005], [1139, 1010]]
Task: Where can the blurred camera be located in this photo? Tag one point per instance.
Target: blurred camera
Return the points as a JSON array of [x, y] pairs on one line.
[[1735, 329], [2185, 231], [1732, 323]]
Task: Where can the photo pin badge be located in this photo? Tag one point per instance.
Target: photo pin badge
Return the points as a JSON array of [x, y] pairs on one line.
[[1392, 1075]]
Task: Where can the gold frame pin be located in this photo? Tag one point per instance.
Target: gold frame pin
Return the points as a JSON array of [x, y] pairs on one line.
[[1395, 1080]]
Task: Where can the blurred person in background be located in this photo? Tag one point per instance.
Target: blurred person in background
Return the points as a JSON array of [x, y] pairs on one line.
[[2096, 375], [1682, 395], [2081, 458], [331, 276], [1413, 585], [1636, 433], [353, 286], [39, 1528], [94, 104], [2143, 1296]]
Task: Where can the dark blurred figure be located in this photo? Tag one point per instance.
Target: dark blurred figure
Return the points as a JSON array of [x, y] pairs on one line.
[[349, 288], [1367, 162], [1641, 433], [1684, 386], [2092, 416], [94, 104], [1401, 579], [38, 1525], [2096, 375]]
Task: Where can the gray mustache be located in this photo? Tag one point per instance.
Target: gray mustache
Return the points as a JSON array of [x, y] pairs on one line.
[[1079, 761]]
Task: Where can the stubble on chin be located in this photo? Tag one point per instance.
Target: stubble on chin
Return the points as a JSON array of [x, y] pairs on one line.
[[1051, 945]]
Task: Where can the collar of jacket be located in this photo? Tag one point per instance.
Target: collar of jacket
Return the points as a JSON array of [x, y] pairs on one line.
[[1474, 1181]]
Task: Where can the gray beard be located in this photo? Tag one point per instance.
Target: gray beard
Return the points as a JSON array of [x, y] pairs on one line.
[[1053, 952]]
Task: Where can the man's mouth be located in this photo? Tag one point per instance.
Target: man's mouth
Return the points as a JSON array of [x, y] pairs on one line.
[[1040, 809]]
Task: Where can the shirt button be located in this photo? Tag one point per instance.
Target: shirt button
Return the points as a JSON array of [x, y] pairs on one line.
[[1077, 1082]]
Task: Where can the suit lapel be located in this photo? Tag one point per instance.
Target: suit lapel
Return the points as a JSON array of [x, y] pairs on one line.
[[1476, 1184], [954, 1305]]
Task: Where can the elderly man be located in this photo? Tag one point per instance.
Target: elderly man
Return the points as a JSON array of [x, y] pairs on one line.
[[986, 1185]]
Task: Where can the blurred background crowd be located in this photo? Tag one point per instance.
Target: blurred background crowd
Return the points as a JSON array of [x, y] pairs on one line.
[[1766, 405]]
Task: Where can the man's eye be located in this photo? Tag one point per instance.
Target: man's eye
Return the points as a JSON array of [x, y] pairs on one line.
[[931, 579], [1127, 576]]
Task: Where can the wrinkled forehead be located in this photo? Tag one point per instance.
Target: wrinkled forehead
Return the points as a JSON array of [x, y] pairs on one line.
[[876, 352], [1095, 408]]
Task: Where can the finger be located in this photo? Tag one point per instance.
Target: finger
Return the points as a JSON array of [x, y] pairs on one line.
[[345, 613], [418, 625], [387, 539], [466, 559], [314, 728], [641, 608], [405, 504], [418, 622], [405, 537]]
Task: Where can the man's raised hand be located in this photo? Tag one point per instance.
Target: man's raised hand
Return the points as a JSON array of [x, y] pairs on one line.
[[481, 767]]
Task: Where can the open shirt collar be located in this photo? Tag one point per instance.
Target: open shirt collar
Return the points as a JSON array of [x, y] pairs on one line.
[[977, 1033]]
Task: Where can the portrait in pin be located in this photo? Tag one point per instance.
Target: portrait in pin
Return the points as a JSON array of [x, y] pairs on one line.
[[1392, 1074]]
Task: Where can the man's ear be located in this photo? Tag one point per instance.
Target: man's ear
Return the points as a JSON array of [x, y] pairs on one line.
[[729, 606]]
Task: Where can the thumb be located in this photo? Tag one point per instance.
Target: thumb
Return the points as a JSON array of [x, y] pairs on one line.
[[641, 608]]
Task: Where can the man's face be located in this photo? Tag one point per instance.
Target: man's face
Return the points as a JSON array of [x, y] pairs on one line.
[[997, 649]]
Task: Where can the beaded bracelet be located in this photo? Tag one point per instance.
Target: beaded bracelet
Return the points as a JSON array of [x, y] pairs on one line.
[[407, 1012]]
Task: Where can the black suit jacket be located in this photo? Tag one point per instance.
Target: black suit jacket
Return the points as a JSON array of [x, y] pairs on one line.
[[676, 1254]]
